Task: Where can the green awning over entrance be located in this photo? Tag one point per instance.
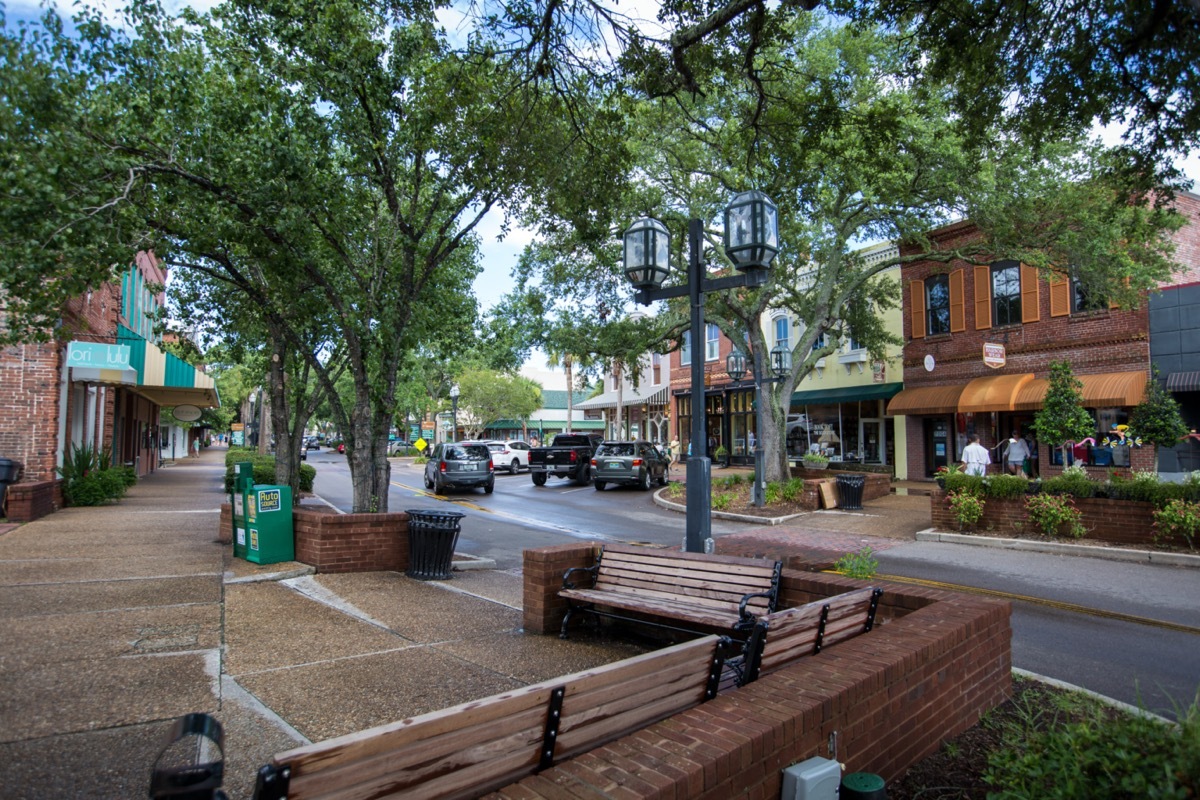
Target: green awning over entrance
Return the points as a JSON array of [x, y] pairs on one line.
[[847, 394]]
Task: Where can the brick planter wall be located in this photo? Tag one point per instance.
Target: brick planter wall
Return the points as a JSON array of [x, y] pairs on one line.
[[334, 542], [935, 663], [30, 501], [876, 486], [1116, 521]]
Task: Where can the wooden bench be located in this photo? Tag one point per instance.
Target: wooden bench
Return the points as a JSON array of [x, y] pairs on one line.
[[784, 636], [709, 592], [478, 747]]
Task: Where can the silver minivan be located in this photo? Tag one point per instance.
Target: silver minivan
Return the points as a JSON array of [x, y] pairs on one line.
[[460, 465]]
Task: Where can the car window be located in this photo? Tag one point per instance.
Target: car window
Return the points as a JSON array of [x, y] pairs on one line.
[[616, 449], [467, 452], [496, 448]]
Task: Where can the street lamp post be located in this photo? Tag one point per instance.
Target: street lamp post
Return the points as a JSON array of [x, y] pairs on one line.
[[751, 241], [781, 367], [454, 410]]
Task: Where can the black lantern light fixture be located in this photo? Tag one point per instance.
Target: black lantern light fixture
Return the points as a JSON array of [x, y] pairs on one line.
[[781, 360], [735, 365], [751, 242], [647, 250]]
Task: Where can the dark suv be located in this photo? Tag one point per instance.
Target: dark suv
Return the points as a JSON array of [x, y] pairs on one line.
[[636, 463], [460, 465]]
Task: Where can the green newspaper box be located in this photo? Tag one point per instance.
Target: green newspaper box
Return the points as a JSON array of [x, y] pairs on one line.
[[243, 479], [269, 533]]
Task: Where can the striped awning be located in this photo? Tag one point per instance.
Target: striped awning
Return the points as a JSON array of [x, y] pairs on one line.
[[647, 395], [926, 400], [992, 393], [1183, 382], [1105, 390]]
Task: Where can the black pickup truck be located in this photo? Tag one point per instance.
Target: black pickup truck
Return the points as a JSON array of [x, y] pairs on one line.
[[568, 456]]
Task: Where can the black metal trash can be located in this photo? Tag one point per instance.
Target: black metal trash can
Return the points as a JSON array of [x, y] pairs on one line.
[[850, 491], [9, 472], [432, 536]]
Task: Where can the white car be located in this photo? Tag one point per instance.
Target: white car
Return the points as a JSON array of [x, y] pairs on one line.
[[511, 455]]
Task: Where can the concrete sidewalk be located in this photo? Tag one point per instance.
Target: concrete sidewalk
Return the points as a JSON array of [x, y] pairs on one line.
[[117, 620]]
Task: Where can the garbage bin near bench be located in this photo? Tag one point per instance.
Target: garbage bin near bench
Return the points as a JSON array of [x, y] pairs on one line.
[[850, 491], [9, 472], [432, 535]]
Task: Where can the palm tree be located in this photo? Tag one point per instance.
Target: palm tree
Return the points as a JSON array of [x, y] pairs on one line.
[[553, 359]]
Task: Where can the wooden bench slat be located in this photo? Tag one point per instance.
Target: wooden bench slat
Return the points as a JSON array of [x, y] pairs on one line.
[[654, 606], [671, 565], [723, 601], [683, 583], [458, 749], [700, 559], [792, 632]]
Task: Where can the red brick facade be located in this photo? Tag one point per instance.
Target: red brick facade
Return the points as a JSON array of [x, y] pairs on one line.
[[334, 542], [933, 665], [1109, 340]]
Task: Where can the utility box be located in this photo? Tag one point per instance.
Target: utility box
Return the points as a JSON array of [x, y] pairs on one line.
[[243, 480], [814, 779], [269, 532]]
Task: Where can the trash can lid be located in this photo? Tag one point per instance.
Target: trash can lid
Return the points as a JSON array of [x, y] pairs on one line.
[[433, 512]]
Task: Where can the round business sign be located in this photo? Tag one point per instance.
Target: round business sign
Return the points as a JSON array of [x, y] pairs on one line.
[[187, 413], [929, 362]]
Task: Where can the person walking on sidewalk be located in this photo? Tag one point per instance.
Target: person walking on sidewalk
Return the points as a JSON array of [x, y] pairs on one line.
[[1016, 454], [976, 457], [196, 447]]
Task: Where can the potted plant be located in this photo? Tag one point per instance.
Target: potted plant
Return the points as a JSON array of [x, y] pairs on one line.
[[815, 461], [722, 455]]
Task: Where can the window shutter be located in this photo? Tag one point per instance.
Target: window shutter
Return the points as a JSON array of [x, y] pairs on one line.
[[1030, 295], [916, 308], [1060, 295], [983, 298], [958, 319]]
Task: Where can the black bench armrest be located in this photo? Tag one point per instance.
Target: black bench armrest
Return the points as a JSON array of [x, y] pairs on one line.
[[567, 584], [748, 619]]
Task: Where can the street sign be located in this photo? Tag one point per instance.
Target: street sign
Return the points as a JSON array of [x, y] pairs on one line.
[[420, 444]]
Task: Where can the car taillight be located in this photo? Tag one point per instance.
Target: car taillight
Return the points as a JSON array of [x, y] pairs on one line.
[[574, 456], [491, 466], [637, 462], [442, 466], [593, 462]]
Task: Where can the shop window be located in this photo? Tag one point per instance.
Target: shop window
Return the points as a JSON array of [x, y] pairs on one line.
[[1006, 293], [937, 304]]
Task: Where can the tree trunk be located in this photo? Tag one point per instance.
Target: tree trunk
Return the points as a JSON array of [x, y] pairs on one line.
[[567, 367]]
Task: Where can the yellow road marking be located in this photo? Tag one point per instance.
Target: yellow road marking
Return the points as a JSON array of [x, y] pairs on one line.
[[1041, 601]]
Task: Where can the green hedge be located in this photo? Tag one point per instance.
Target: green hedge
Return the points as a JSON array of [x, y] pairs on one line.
[[1143, 490], [264, 469]]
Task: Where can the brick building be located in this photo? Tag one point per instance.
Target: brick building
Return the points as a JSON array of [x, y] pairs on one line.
[[979, 341], [100, 383]]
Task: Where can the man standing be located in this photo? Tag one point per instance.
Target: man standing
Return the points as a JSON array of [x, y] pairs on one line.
[[1017, 452], [976, 457]]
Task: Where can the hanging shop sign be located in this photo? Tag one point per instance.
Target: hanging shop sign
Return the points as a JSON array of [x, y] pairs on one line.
[[994, 355]]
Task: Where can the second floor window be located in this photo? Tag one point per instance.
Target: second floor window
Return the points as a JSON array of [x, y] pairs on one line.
[[712, 345], [1084, 299], [1006, 293], [685, 350], [783, 333], [656, 368], [819, 342], [937, 304]]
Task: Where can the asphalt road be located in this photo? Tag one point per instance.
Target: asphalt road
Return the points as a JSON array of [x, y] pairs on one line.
[[1141, 663], [519, 515]]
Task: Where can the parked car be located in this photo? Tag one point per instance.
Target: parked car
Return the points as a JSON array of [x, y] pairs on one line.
[[396, 445], [460, 465], [511, 454], [637, 463], [312, 443], [568, 456]]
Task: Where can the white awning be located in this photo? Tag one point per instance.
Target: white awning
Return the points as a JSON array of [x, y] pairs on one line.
[[113, 377], [653, 396]]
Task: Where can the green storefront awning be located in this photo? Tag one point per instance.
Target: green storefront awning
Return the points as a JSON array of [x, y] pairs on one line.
[[847, 394]]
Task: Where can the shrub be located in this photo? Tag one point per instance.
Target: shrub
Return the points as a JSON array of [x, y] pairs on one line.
[[1099, 757], [815, 460], [86, 490], [861, 565], [1053, 513], [793, 490], [722, 501], [113, 483], [1178, 518], [1007, 486], [676, 490], [1072, 484], [774, 493], [128, 475], [967, 507], [962, 482]]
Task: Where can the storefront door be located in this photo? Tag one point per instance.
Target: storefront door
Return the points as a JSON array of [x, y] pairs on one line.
[[872, 441], [938, 447]]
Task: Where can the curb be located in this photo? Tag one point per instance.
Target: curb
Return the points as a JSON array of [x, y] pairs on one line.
[[1070, 687], [682, 509], [271, 576], [1062, 549], [464, 561]]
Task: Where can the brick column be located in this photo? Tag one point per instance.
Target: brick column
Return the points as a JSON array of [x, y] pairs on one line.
[[544, 569]]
